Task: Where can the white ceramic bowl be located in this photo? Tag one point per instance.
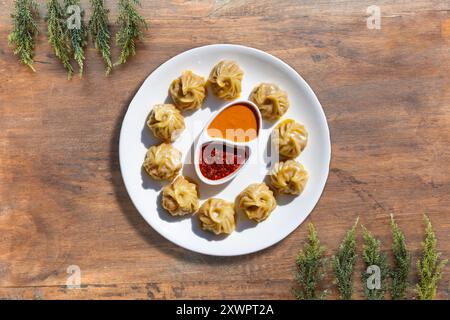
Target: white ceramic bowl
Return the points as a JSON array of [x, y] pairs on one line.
[[205, 138]]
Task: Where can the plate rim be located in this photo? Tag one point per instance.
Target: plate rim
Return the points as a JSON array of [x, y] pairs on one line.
[[322, 185]]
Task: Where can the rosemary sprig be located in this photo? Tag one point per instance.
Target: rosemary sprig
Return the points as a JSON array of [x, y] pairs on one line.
[[402, 262], [343, 263], [24, 30], [57, 35], [99, 30], [77, 36], [130, 25], [430, 266], [310, 267], [373, 257]]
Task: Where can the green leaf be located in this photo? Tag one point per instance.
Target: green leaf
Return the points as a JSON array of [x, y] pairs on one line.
[[77, 37], [57, 35], [430, 266], [402, 262], [130, 25], [343, 263], [99, 30], [310, 268], [24, 30], [373, 256]]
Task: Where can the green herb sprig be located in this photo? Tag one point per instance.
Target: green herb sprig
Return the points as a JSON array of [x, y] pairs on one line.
[[77, 36], [99, 30], [57, 35], [402, 262], [430, 266], [343, 263], [130, 25], [310, 268], [373, 256], [24, 30]]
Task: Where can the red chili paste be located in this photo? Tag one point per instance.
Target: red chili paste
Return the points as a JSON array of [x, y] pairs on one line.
[[218, 161]]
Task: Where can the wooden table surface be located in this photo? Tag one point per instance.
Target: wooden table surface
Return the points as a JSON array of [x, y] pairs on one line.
[[386, 94]]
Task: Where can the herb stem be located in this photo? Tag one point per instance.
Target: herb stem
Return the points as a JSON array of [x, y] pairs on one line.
[[99, 30], [310, 268], [430, 266], [343, 263], [402, 262], [24, 30], [130, 25], [57, 35], [374, 283], [77, 35]]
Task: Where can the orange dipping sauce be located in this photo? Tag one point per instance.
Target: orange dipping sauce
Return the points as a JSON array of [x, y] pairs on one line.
[[237, 123]]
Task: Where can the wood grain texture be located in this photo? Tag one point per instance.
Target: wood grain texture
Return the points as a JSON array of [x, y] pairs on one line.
[[386, 94]]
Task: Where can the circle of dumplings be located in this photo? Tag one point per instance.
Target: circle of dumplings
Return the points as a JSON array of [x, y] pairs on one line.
[[258, 200]]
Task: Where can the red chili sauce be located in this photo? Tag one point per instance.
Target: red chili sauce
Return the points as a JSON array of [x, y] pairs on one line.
[[218, 160]]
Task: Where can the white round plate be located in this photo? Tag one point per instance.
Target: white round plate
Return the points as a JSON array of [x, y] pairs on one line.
[[249, 237]]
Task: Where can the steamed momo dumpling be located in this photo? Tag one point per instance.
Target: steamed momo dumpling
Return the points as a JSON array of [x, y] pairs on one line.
[[257, 201], [163, 162], [166, 122], [271, 100], [289, 177], [180, 197], [218, 216], [225, 80], [188, 91], [290, 138]]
